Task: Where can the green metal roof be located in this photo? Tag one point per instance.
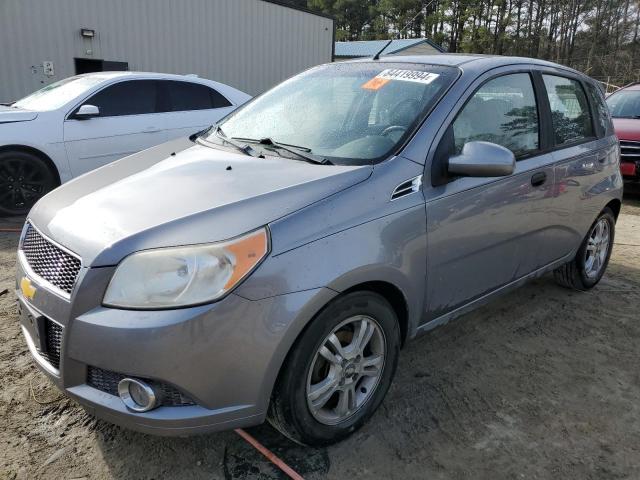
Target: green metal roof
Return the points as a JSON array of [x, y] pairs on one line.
[[368, 48]]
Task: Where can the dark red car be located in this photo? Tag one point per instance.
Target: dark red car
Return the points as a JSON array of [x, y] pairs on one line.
[[624, 105]]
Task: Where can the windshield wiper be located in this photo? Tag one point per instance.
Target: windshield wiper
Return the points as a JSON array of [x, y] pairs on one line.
[[295, 149], [201, 133], [246, 149]]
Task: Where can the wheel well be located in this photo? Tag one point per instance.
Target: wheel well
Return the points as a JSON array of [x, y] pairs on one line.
[[615, 206], [33, 151], [388, 291], [394, 296]]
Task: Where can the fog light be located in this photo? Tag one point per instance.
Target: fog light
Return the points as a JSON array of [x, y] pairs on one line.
[[136, 395]]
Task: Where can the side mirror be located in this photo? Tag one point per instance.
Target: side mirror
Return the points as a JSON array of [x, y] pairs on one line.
[[87, 111], [483, 159]]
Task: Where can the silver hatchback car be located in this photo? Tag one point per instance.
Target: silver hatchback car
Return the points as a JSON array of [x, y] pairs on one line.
[[274, 265]]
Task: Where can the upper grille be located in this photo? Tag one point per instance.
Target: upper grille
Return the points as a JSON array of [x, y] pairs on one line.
[[107, 381], [629, 151], [53, 340], [49, 261]]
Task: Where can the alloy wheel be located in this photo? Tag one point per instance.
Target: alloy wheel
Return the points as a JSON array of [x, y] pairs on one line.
[[346, 370], [22, 183], [595, 254]]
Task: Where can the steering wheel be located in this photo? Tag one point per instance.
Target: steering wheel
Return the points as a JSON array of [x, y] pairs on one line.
[[401, 115], [393, 128]]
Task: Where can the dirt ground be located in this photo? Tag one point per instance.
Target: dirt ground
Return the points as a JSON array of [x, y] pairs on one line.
[[543, 383]]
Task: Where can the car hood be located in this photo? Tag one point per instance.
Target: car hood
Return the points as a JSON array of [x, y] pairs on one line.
[[10, 115], [180, 193], [627, 128]]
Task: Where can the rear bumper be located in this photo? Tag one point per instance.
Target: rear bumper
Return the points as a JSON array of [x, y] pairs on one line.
[[224, 356]]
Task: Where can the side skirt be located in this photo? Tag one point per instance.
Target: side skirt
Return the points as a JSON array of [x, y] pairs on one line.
[[478, 302]]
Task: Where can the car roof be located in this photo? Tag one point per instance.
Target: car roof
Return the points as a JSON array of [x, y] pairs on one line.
[[476, 61], [128, 74], [447, 59], [233, 94], [632, 86]]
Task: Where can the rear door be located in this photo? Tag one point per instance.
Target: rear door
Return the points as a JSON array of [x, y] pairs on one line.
[[484, 233], [585, 152], [128, 123], [191, 107]]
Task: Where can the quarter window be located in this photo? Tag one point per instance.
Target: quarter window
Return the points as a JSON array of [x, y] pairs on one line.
[[569, 109], [185, 96], [502, 111], [134, 97], [601, 111]]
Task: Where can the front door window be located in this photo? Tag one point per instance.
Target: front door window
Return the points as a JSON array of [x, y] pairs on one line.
[[502, 111]]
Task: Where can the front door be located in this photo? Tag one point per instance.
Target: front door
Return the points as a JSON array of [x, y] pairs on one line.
[[484, 233], [128, 123]]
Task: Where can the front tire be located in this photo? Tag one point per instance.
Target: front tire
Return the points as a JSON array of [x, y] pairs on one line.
[[24, 179], [590, 263], [338, 372]]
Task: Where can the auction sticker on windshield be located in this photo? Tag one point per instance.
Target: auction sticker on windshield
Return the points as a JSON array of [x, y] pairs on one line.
[[389, 74]]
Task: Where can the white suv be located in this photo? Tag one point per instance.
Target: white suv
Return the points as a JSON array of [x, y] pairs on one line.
[[83, 122]]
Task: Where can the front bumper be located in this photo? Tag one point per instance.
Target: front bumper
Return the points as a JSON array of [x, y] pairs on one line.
[[224, 356]]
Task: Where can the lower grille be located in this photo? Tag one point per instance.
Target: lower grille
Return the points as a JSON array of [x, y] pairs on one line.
[[107, 381], [53, 341]]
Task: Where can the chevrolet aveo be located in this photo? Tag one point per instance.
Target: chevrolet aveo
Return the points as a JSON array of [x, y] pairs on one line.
[[272, 266]]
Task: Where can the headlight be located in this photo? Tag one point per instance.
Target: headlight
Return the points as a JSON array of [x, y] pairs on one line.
[[183, 276]]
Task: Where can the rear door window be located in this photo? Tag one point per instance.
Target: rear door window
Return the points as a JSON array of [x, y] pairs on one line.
[[134, 97], [502, 111], [186, 96], [570, 115]]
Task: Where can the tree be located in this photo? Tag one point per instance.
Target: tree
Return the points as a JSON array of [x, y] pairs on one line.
[[599, 37]]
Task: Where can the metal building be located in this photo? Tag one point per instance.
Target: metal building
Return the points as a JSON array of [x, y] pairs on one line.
[[248, 44]]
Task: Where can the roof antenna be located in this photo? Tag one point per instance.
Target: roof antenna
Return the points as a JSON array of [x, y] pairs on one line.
[[377, 55]]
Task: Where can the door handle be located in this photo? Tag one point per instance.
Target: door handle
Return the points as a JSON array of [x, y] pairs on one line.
[[151, 130], [538, 179]]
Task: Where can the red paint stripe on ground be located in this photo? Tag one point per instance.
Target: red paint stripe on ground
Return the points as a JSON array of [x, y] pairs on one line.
[[269, 454]]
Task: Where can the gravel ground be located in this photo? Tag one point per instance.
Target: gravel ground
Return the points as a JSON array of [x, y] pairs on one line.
[[543, 383]]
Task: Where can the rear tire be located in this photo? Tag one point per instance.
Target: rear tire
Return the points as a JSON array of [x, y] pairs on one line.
[[317, 401], [24, 179], [592, 258]]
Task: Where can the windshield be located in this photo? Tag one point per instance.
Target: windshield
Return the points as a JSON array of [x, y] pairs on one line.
[[349, 113], [624, 104], [58, 94]]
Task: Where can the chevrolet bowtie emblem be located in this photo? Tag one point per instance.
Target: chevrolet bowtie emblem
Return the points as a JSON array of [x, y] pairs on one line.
[[28, 290]]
